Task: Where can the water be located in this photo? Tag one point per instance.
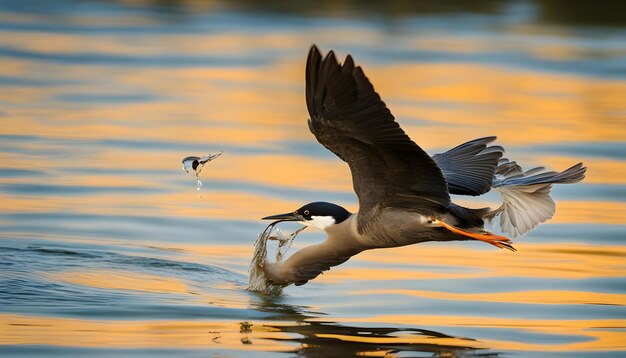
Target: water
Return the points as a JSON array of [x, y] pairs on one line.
[[106, 249], [258, 281]]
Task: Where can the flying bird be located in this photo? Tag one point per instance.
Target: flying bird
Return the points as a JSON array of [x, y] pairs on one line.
[[403, 193]]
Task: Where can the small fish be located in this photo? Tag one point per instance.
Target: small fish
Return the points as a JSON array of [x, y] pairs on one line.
[[193, 165]]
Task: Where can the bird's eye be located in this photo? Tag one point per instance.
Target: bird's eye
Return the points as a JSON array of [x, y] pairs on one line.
[[306, 212]]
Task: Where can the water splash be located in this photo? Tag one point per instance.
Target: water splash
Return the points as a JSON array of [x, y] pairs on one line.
[[193, 165], [258, 281]]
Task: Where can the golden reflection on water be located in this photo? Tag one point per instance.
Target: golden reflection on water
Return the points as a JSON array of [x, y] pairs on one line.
[[18, 329], [600, 170], [122, 281], [601, 212], [533, 297], [556, 107], [566, 261], [603, 334], [598, 335], [222, 205], [190, 44]]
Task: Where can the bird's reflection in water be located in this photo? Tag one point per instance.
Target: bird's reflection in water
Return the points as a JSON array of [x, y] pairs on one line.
[[324, 338]]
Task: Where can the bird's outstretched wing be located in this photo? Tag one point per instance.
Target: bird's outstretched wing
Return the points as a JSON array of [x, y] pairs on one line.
[[349, 118], [469, 168]]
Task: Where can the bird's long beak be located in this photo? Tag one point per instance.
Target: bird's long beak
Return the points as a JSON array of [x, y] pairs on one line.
[[284, 217]]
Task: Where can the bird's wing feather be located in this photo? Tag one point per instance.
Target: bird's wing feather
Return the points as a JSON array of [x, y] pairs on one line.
[[469, 168], [349, 118]]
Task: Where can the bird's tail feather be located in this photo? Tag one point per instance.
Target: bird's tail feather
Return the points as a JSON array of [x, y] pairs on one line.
[[526, 200]]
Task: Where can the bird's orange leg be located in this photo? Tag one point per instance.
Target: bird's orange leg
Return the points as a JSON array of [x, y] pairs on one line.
[[485, 236]]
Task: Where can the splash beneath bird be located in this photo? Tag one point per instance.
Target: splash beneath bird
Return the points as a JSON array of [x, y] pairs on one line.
[[193, 165], [258, 281]]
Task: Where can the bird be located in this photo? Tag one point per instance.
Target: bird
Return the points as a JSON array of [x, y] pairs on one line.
[[403, 193], [193, 165]]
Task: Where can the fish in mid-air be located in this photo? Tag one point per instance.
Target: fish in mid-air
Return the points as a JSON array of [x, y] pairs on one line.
[[193, 165]]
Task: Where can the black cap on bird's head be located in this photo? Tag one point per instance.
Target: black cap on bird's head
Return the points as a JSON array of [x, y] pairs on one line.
[[319, 214]]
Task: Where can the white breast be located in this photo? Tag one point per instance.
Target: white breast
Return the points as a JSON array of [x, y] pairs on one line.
[[320, 222]]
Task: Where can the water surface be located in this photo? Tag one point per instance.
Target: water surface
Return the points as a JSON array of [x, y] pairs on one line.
[[106, 247]]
